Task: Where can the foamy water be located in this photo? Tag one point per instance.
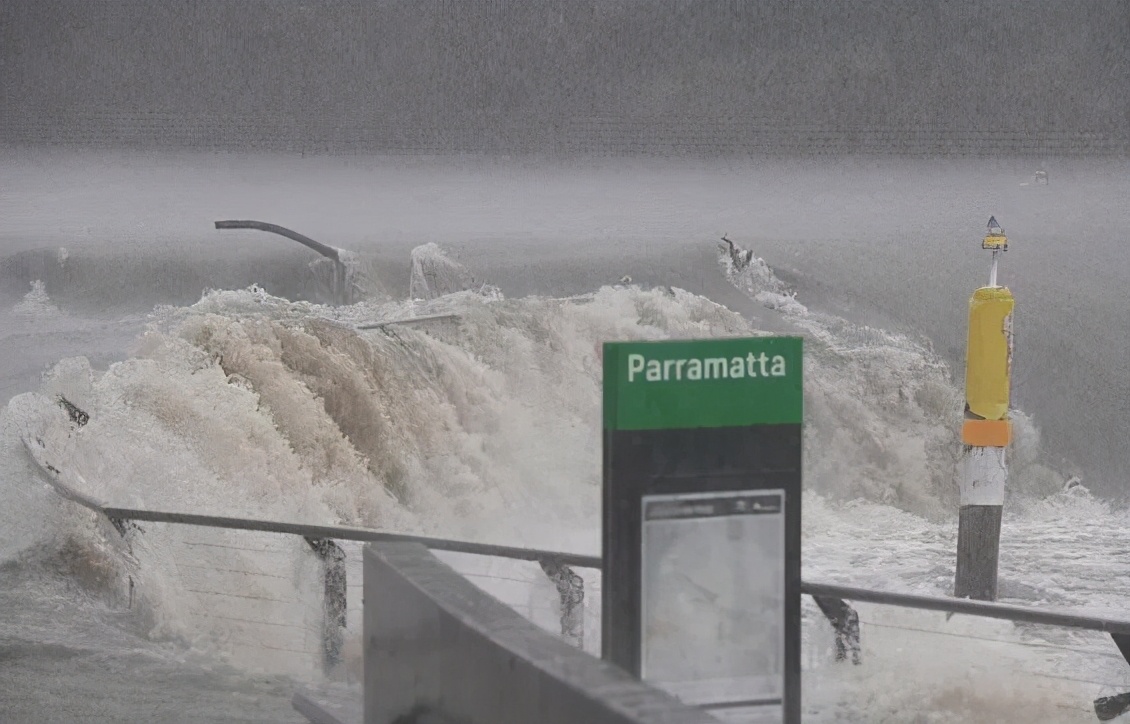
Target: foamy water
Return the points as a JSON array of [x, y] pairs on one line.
[[486, 427]]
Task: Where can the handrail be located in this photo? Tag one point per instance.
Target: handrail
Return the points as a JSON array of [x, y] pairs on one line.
[[51, 475], [409, 320], [985, 609], [350, 533], [554, 564], [831, 598]]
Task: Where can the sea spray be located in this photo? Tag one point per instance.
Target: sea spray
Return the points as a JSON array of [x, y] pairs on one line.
[[434, 274], [887, 409], [36, 304], [488, 428], [484, 427], [249, 405]]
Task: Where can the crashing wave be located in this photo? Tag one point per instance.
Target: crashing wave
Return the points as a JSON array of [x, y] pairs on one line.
[[398, 419], [357, 277], [893, 437], [250, 405], [484, 427], [36, 304], [434, 274], [437, 422], [753, 275]]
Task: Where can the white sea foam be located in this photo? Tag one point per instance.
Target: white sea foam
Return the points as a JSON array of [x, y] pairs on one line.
[[250, 405], [36, 305], [435, 274], [487, 427], [884, 410]]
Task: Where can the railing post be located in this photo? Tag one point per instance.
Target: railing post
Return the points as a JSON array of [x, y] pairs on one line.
[[845, 621], [1111, 707], [571, 589], [333, 620], [125, 528]]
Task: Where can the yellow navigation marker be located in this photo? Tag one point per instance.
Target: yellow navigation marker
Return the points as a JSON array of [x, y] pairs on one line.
[[988, 365], [985, 432]]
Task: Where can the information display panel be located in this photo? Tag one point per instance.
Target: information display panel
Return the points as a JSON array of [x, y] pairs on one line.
[[713, 599]]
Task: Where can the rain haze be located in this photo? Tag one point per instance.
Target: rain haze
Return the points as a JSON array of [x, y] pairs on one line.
[[558, 174]]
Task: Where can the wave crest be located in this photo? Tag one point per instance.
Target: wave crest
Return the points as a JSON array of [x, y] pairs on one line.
[[883, 410]]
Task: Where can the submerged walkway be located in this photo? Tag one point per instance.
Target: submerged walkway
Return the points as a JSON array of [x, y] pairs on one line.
[[67, 658]]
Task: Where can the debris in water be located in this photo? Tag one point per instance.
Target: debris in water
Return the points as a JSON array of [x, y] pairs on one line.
[[78, 416], [739, 256]]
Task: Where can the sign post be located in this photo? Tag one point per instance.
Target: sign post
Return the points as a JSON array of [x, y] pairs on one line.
[[701, 530]]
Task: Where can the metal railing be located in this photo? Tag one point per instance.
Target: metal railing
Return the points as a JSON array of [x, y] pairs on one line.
[[558, 567], [555, 564], [984, 609]]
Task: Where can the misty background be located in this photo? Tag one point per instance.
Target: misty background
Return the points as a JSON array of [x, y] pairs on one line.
[[550, 148], [1027, 84], [913, 77]]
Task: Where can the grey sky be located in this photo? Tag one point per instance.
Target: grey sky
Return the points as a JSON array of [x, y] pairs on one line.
[[523, 74]]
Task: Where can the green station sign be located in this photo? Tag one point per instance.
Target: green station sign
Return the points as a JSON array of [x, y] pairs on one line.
[[703, 457], [705, 383]]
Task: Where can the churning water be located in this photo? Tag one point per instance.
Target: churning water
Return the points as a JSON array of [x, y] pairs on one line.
[[218, 381]]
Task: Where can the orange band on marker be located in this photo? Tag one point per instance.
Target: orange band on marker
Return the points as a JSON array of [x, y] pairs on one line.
[[987, 433]]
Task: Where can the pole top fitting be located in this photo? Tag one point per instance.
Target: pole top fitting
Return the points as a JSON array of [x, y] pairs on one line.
[[995, 238]]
